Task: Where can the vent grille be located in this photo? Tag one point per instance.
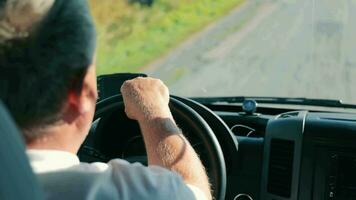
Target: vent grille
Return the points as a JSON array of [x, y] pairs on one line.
[[281, 167]]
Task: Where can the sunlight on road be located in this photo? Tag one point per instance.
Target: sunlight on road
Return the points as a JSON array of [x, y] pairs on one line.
[[271, 48]]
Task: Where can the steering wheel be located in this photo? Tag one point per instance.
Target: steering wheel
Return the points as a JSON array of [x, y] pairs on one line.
[[187, 119]]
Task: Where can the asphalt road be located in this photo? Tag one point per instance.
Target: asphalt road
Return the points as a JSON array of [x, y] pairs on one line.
[[284, 48]]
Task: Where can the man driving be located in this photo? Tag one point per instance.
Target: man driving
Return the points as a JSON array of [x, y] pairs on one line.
[[48, 82]]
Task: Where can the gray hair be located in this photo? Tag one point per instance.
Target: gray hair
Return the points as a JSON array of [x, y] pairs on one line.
[[19, 17]]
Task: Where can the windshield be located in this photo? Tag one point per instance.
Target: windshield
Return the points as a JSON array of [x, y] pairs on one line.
[[276, 48]]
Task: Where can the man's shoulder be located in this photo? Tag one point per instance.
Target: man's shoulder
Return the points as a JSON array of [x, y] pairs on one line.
[[122, 166], [119, 179]]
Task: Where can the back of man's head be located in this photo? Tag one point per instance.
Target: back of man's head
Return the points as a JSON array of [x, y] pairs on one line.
[[46, 47]]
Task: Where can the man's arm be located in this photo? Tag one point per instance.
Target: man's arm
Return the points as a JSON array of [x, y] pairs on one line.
[[146, 100]]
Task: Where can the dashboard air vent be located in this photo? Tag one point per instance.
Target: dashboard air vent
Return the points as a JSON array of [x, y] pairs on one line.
[[280, 167]]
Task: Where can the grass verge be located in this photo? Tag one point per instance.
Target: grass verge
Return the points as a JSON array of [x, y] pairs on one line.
[[130, 35]]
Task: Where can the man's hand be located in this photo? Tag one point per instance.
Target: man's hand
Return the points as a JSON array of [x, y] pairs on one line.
[[146, 99]]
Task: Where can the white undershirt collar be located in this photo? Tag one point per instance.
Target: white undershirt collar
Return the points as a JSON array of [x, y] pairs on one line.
[[43, 161]]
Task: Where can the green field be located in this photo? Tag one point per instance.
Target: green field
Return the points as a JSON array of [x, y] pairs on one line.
[[130, 36]]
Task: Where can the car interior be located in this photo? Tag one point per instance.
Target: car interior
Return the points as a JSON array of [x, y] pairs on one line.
[[298, 144], [265, 152]]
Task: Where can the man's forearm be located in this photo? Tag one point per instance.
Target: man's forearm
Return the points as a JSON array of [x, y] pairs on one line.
[[167, 147]]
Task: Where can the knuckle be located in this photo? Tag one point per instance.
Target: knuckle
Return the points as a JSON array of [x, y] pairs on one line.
[[129, 83], [139, 79], [126, 82], [123, 87], [160, 81]]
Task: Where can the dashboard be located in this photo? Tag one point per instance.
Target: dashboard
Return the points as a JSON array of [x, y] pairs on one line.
[[293, 155]]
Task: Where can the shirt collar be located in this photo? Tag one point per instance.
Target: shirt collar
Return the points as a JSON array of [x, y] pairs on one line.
[[43, 161]]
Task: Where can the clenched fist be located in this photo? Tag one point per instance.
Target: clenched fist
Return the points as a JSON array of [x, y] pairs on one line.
[[146, 99]]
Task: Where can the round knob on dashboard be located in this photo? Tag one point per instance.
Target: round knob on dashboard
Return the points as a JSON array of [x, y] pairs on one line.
[[249, 107]]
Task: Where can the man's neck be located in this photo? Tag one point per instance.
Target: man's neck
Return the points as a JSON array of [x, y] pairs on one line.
[[60, 138]]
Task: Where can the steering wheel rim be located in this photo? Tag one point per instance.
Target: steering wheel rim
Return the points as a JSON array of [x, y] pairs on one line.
[[201, 129]]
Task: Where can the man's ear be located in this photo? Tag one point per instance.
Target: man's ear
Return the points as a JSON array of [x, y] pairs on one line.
[[83, 102], [72, 109], [85, 105], [88, 93]]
